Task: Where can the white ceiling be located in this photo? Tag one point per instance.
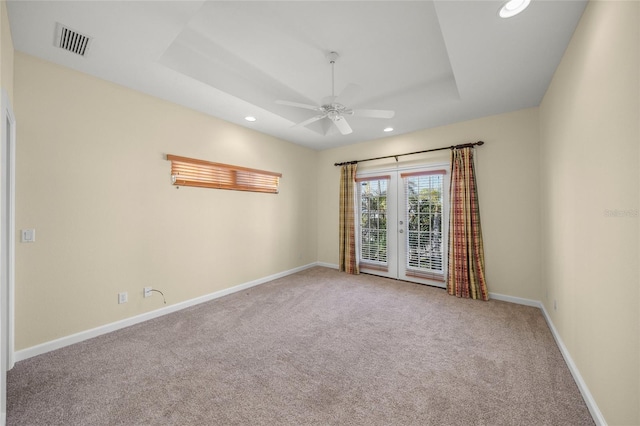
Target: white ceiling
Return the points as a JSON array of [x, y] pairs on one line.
[[433, 62]]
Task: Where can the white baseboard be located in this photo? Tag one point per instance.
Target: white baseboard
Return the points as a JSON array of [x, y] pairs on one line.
[[107, 328], [516, 300], [327, 265], [598, 418]]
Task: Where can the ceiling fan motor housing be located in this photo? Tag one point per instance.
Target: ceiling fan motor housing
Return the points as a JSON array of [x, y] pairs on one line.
[[335, 111]]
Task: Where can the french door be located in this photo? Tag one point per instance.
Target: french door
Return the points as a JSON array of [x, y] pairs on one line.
[[403, 222]]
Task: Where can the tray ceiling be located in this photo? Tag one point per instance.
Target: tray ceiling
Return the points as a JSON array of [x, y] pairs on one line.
[[433, 63]]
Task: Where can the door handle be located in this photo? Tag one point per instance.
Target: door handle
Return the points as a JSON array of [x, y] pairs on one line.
[[401, 231]]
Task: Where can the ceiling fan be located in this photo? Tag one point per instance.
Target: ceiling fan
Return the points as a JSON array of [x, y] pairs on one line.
[[333, 107]]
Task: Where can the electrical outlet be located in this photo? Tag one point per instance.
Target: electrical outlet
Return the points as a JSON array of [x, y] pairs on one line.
[[28, 235], [147, 292], [122, 297]]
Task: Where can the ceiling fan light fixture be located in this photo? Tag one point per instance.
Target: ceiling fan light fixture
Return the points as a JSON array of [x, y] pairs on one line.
[[513, 7]]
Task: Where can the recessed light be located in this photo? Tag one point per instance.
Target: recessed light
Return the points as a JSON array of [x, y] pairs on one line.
[[513, 7], [250, 118], [388, 129]]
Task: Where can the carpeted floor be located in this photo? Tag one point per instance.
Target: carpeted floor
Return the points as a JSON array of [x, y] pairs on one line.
[[315, 348]]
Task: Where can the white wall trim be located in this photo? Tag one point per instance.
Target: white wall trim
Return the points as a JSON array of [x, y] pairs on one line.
[[107, 328], [516, 300], [598, 418], [7, 244], [7, 226], [327, 265]]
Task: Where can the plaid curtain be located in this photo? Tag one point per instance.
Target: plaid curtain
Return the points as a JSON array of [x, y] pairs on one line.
[[348, 257], [466, 253]]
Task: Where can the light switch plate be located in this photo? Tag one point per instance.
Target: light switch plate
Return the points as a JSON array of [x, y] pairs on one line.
[[28, 235]]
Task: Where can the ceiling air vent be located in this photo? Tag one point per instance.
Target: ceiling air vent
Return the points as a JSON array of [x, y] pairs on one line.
[[71, 40]]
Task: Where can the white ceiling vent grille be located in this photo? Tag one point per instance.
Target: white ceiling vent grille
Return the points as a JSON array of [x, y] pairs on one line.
[[71, 40]]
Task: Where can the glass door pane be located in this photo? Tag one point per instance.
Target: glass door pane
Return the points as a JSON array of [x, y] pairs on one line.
[[373, 221], [376, 236], [423, 243]]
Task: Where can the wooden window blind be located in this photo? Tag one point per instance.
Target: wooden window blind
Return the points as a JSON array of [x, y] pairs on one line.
[[205, 174], [425, 173], [371, 178]]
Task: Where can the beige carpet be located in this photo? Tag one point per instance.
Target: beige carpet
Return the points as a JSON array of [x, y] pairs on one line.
[[319, 348]]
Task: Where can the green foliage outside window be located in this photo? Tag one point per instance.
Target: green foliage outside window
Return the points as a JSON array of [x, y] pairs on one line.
[[373, 226], [424, 222], [424, 216]]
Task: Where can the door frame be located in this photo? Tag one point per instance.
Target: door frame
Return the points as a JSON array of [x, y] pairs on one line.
[[7, 244], [392, 220]]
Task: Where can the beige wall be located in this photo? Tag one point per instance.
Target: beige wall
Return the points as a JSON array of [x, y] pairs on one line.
[[508, 188], [92, 180], [589, 168], [6, 52]]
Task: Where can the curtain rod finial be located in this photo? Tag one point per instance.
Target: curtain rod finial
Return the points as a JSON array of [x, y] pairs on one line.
[[479, 143]]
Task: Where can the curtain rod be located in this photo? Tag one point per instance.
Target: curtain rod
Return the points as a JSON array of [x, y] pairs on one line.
[[465, 145]]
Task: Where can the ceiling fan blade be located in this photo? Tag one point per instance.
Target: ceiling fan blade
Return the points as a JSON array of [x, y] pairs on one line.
[[309, 121], [328, 128], [373, 113], [298, 105], [342, 125], [348, 94]]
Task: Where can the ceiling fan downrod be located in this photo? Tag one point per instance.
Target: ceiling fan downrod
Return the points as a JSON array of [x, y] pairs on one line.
[[332, 56]]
